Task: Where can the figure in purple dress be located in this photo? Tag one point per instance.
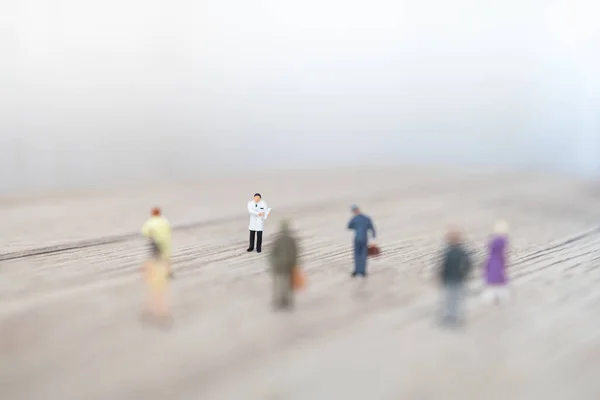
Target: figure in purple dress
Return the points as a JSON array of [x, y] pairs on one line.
[[496, 280]]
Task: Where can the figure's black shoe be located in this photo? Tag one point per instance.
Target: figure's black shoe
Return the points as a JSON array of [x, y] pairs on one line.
[[354, 274], [250, 250], [258, 250]]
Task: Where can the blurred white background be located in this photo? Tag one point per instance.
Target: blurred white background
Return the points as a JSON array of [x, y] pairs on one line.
[[105, 92]]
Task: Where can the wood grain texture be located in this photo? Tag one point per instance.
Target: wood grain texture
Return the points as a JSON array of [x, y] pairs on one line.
[[70, 293]]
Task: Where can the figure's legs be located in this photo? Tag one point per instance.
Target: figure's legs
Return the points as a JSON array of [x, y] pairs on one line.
[[155, 308], [356, 260], [258, 241], [365, 253], [281, 291], [288, 292], [160, 306], [147, 275], [360, 254], [252, 236], [165, 260], [454, 302], [453, 297], [276, 291]]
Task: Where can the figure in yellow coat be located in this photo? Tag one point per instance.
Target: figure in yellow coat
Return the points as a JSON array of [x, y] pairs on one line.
[[156, 271]]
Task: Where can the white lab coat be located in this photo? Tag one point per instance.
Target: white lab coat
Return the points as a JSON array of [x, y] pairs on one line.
[[257, 223]]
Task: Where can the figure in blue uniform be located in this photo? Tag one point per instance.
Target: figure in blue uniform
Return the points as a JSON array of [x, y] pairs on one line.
[[361, 225]]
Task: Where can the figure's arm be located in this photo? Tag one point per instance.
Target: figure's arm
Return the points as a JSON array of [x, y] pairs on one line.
[[371, 228], [468, 264], [442, 265], [251, 210], [352, 224], [267, 213]]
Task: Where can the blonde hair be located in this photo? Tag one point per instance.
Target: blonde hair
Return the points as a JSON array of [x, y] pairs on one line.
[[501, 227]]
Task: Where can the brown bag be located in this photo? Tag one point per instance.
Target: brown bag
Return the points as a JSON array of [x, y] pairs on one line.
[[373, 250], [298, 279]]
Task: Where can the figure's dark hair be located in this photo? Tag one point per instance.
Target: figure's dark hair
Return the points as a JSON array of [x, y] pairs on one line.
[[257, 194]]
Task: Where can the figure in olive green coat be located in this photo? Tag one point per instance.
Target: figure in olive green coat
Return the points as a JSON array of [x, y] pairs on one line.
[[283, 258]]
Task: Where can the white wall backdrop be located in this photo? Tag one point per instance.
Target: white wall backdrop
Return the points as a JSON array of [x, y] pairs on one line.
[[101, 92]]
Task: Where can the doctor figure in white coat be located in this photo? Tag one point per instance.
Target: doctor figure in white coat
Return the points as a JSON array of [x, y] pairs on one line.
[[258, 211]]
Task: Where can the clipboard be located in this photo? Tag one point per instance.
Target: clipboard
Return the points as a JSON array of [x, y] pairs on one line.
[[267, 213]]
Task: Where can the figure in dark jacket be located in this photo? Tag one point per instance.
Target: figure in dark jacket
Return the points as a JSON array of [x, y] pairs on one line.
[[361, 225], [283, 258], [455, 268]]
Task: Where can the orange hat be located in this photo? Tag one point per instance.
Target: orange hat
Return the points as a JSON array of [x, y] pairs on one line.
[[155, 211]]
